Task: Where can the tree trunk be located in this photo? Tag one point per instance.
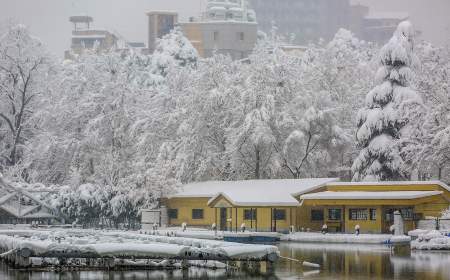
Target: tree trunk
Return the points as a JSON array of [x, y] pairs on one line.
[[257, 164]]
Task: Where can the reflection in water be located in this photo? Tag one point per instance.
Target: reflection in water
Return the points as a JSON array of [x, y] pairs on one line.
[[337, 261], [354, 261]]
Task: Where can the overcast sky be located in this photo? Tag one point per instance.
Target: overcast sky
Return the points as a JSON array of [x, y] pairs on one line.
[[48, 19]]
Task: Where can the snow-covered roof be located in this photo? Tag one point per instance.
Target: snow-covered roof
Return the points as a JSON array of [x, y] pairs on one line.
[[15, 192], [387, 15], [390, 183], [279, 192], [370, 195], [91, 36], [230, 21], [165, 12]]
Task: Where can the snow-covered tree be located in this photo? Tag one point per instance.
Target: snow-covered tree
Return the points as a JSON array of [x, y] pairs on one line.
[[433, 158], [24, 65], [390, 112], [174, 49], [339, 73], [307, 148]]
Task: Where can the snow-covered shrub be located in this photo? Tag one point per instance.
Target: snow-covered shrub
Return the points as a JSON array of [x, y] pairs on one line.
[[446, 214]]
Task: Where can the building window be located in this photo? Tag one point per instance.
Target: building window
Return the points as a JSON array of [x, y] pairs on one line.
[[240, 36], [358, 214], [316, 215], [279, 214], [216, 35], [373, 214], [407, 213], [249, 214], [197, 214], [334, 214], [173, 213]]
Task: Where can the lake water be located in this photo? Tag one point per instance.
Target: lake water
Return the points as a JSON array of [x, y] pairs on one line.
[[337, 262]]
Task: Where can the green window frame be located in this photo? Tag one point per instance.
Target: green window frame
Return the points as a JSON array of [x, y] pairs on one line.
[[317, 215], [249, 214], [334, 214], [358, 214], [279, 214], [373, 214], [197, 214], [173, 213]]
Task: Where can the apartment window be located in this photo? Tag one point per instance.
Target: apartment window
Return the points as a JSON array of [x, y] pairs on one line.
[[279, 214], [316, 215], [216, 35], [373, 214], [240, 36], [197, 214], [249, 214], [334, 214], [358, 214], [173, 213]]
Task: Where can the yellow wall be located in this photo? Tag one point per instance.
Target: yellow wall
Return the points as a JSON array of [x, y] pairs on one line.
[[212, 215], [185, 206]]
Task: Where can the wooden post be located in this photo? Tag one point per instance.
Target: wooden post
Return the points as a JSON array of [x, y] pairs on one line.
[[251, 218], [256, 219], [275, 219], [231, 219], [215, 217], [271, 219], [236, 223], [290, 217]]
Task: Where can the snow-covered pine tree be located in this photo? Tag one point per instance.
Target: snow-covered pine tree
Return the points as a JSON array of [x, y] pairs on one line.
[[389, 112]]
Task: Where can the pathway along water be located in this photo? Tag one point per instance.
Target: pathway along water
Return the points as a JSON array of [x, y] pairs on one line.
[[337, 261]]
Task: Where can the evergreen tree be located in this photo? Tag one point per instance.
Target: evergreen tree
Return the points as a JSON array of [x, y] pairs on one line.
[[389, 112]]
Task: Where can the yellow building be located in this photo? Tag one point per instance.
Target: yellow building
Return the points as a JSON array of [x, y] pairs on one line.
[[275, 205]]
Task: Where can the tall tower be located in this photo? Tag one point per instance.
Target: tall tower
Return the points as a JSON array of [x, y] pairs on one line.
[[160, 23]]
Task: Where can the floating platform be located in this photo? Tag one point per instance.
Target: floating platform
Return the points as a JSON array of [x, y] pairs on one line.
[[252, 237]]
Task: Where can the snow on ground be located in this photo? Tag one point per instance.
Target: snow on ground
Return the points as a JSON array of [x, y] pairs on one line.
[[345, 238], [430, 240]]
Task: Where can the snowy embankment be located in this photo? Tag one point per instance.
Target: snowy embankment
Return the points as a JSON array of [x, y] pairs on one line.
[[94, 243], [430, 240], [189, 233], [311, 237]]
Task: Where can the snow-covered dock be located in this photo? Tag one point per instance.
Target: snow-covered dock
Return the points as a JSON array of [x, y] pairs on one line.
[[124, 248]]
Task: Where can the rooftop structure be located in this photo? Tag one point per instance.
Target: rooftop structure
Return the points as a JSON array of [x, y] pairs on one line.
[[82, 20], [226, 27], [83, 37], [224, 10]]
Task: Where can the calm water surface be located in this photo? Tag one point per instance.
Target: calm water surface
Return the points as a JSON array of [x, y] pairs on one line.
[[337, 262]]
